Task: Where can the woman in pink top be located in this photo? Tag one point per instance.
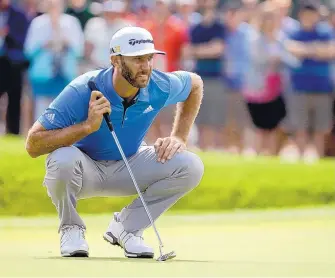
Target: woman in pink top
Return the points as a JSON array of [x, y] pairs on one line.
[[264, 80]]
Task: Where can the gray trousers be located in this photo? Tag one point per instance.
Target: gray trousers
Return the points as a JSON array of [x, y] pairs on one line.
[[72, 175]]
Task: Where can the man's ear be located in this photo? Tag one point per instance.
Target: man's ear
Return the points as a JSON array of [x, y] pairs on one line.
[[116, 61]]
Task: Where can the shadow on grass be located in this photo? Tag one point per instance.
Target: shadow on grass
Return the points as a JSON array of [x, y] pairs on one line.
[[126, 260]]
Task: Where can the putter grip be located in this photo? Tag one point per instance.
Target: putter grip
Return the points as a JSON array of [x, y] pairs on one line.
[[93, 87]]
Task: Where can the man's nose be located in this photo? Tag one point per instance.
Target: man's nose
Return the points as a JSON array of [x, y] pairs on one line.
[[145, 65]]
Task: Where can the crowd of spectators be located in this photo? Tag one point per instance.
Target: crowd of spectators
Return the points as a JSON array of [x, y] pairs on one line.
[[268, 76]]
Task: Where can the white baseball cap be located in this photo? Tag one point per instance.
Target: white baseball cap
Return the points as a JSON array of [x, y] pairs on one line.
[[133, 41]]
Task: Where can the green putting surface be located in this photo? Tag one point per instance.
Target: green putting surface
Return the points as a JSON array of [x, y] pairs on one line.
[[299, 243]]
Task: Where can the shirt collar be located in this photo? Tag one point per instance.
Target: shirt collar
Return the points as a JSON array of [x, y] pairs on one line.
[[109, 88], [144, 95]]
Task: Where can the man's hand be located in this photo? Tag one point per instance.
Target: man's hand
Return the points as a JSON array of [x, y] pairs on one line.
[[97, 108], [299, 49], [167, 147]]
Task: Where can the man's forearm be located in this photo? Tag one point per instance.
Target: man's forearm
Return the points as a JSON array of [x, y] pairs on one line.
[[187, 111], [298, 49], [46, 141], [324, 51], [321, 51], [209, 50]]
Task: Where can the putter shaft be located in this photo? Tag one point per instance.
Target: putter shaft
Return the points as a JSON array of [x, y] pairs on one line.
[[138, 191]]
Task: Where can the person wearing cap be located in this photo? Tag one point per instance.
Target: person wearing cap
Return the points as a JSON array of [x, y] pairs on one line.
[[99, 31], [310, 103], [84, 161]]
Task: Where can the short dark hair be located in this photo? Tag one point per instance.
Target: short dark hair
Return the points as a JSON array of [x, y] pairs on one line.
[[312, 5]]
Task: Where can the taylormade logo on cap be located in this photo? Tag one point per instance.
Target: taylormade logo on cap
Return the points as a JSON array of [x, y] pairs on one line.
[[133, 41]]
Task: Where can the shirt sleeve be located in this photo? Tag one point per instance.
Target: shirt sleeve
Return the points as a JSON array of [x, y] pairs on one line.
[[67, 109], [293, 35], [191, 34], [327, 36], [180, 87]]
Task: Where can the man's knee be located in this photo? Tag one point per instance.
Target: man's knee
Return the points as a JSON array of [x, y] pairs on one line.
[[63, 163], [191, 167]]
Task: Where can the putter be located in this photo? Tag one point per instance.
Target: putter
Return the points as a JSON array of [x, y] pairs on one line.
[[163, 257]]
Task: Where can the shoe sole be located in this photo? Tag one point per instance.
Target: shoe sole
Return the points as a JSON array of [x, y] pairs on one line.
[[111, 239], [76, 254]]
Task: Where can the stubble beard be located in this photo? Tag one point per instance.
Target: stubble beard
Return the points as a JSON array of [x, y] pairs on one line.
[[126, 74]]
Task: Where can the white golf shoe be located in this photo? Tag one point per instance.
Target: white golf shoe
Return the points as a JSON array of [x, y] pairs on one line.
[[72, 241], [133, 244]]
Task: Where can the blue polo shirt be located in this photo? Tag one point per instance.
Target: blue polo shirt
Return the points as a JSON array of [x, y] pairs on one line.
[[313, 76], [201, 33], [131, 124]]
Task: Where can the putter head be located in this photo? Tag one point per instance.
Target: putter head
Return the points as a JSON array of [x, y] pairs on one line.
[[167, 256]]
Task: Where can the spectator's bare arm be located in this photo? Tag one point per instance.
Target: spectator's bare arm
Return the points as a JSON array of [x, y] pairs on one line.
[[324, 51], [298, 49], [212, 49]]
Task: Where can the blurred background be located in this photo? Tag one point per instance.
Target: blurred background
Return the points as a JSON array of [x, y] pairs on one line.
[[268, 66]]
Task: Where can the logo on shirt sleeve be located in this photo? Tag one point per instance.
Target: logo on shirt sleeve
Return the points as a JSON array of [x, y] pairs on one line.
[[50, 117]]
